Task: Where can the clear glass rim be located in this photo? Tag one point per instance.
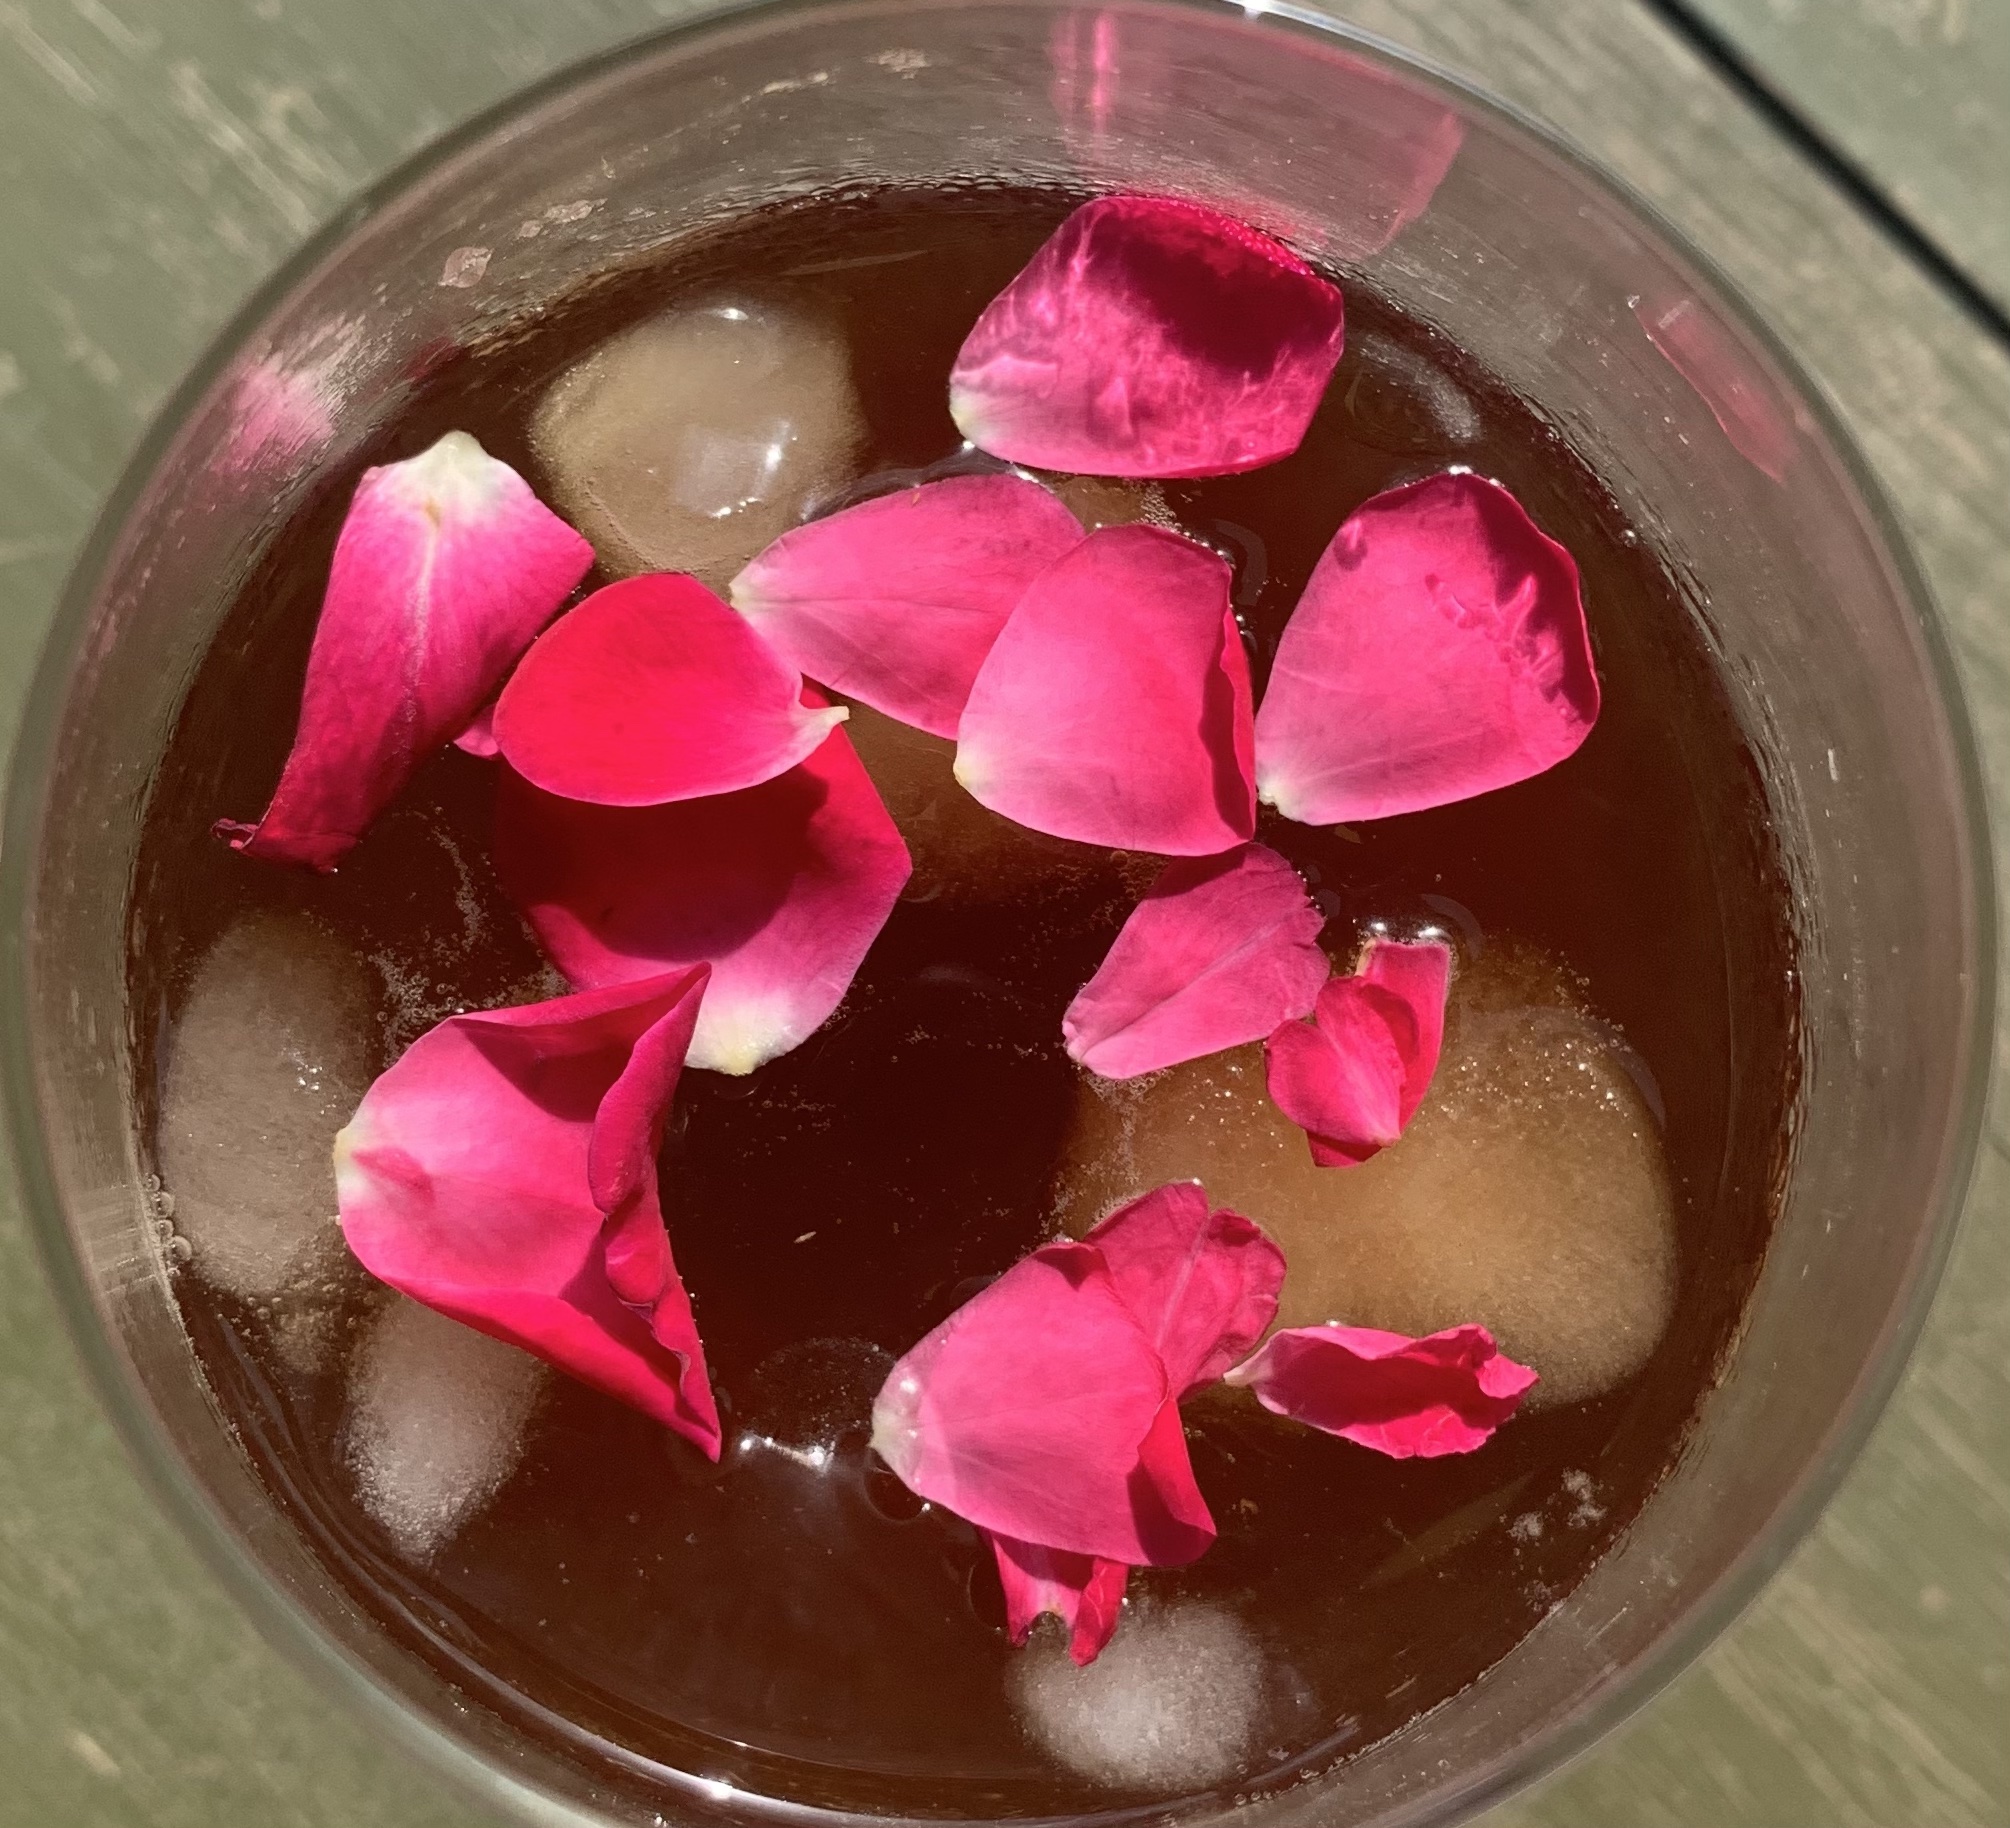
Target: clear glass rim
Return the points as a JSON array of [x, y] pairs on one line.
[[287, 1625]]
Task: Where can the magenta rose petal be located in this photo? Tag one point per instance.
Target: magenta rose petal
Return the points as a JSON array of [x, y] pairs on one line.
[[1353, 1077], [472, 1176], [1150, 337], [1114, 706], [1403, 1397], [1036, 1411], [896, 602], [780, 888], [1219, 951], [445, 569], [479, 738], [654, 690], [1203, 1284], [1439, 651], [1085, 1592]]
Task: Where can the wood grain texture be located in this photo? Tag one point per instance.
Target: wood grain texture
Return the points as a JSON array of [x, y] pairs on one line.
[[156, 160]]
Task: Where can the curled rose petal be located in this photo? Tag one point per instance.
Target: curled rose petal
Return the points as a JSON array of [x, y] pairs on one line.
[[445, 568], [1150, 337], [653, 690], [1403, 1397], [896, 602], [1114, 706], [1438, 652], [1038, 1411], [503, 1171], [1084, 1592], [780, 888], [1219, 952], [1353, 1077], [479, 738]]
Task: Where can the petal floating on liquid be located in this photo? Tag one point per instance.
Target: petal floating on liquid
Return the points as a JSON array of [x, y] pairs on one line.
[[445, 569], [1439, 651], [896, 601], [654, 690], [1150, 337], [1114, 706], [1085, 1592]]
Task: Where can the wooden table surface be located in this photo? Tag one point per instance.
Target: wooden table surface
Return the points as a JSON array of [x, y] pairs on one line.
[[157, 157]]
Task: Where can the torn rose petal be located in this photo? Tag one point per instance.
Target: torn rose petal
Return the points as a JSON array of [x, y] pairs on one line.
[[1219, 952], [1439, 651], [1039, 1410], [1150, 337], [1114, 706], [1084, 1592], [445, 568], [896, 602], [780, 888], [503, 1171], [1403, 1397], [1353, 1077], [653, 690]]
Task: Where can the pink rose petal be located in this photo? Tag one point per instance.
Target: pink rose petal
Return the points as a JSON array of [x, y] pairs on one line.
[[479, 738], [1150, 337], [446, 567], [896, 602], [653, 690], [1219, 952], [1039, 1410], [1114, 706], [1439, 652], [1084, 1592], [504, 1173], [1203, 1284], [1403, 1397], [780, 888], [1353, 1077]]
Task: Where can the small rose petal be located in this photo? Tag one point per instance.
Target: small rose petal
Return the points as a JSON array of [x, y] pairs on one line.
[[1439, 652], [445, 568], [1114, 706], [1150, 337], [896, 602], [653, 690], [1039, 1409], [479, 738], [1084, 1592], [780, 888], [1353, 1077], [504, 1173], [1203, 1284], [1403, 1397], [1219, 952]]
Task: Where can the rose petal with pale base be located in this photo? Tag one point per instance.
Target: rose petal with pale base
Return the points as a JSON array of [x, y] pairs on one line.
[[445, 569], [1150, 337], [780, 888], [1114, 706], [1443, 1394], [896, 602], [653, 690], [1353, 1077], [503, 1171], [1439, 652], [1219, 952], [1085, 1592]]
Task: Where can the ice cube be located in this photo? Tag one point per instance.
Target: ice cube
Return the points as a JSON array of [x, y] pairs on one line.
[[1530, 1194], [270, 1057], [690, 441], [1170, 1706], [436, 1422]]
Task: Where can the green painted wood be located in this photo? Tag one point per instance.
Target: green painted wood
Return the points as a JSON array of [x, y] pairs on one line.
[[158, 156]]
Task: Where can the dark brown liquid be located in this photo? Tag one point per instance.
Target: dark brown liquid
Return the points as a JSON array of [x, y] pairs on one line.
[[800, 1631]]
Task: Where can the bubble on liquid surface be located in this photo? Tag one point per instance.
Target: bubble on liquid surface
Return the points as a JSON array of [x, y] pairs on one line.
[[1530, 1193], [1170, 1706], [269, 1059], [436, 1421], [691, 441]]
